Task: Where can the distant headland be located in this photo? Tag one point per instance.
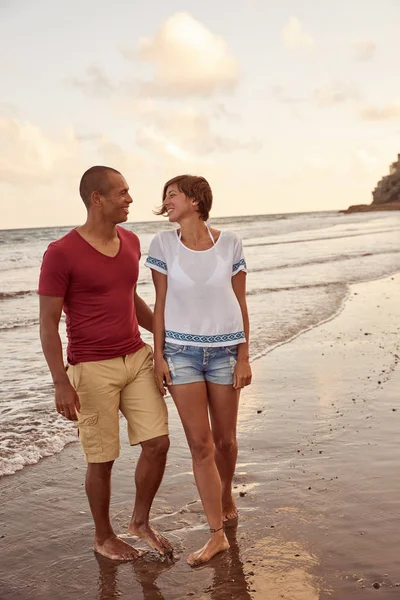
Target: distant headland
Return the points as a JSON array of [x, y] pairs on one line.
[[386, 195]]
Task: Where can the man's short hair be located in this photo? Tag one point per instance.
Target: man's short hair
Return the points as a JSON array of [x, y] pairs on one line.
[[95, 179], [194, 187]]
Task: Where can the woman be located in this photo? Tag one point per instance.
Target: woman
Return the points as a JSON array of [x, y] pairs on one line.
[[201, 342]]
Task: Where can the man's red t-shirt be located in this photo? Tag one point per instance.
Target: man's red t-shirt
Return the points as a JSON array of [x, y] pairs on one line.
[[98, 295]]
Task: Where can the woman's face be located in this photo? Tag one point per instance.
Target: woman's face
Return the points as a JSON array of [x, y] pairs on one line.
[[177, 204]]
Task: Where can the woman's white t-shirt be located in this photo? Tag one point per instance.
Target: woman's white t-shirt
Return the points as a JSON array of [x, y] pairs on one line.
[[201, 308]]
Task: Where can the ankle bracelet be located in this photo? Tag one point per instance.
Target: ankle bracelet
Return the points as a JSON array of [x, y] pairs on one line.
[[215, 530]]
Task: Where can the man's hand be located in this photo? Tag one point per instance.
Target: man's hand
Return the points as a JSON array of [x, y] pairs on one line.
[[67, 401], [162, 374], [242, 374]]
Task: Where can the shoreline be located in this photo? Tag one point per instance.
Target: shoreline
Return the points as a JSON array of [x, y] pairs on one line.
[[315, 421]]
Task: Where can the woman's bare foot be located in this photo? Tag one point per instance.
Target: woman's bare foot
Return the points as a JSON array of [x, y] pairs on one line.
[[116, 549], [217, 543], [229, 510], [152, 537]]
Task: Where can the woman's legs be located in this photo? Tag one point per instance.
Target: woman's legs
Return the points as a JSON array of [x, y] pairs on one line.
[[192, 403], [223, 406]]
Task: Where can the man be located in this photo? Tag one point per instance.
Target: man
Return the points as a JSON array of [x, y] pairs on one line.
[[92, 274]]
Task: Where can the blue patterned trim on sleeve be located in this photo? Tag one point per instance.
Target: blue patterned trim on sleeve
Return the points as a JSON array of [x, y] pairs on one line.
[[241, 263], [205, 339], [156, 262]]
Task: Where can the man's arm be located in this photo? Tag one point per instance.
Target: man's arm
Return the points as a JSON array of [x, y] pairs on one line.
[[67, 401], [143, 312]]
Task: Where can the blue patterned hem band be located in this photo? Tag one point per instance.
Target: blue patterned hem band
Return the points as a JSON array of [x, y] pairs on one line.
[[157, 263], [241, 263], [205, 339]]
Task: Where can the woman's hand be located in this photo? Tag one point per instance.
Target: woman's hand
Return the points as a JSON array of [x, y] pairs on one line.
[[241, 374], [162, 374]]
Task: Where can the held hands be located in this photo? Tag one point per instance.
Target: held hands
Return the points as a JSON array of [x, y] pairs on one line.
[[67, 401], [241, 374], [162, 374]]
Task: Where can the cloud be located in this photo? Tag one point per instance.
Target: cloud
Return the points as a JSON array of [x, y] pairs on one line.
[[294, 36], [390, 112], [334, 93], [186, 132], [280, 94], [28, 154], [364, 50], [96, 82], [8, 110], [187, 59], [40, 172]]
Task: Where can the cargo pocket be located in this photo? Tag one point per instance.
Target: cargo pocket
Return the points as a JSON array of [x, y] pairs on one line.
[[89, 432]]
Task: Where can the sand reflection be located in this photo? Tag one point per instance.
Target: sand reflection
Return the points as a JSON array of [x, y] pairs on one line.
[[228, 577], [144, 572], [284, 571]]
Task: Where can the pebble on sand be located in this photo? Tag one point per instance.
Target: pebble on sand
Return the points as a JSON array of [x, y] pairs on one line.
[[376, 585]]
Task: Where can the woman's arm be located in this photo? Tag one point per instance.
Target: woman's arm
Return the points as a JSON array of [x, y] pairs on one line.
[[160, 365], [242, 375]]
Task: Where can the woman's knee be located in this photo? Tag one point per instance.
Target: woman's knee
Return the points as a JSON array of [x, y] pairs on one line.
[[201, 450], [226, 445]]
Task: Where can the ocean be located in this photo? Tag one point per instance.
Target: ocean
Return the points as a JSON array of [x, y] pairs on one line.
[[299, 270]]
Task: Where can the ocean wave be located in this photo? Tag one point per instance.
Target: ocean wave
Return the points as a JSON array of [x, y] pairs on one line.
[[19, 294], [32, 454], [17, 324], [309, 286], [27, 438], [323, 260], [316, 239]]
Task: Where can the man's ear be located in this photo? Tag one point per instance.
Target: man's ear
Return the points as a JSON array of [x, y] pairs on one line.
[[96, 198], [195, 202]]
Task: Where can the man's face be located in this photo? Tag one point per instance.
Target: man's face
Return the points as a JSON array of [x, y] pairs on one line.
[[116, 201]]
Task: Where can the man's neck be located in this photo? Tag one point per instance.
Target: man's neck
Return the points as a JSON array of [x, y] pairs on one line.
[[99, 230]]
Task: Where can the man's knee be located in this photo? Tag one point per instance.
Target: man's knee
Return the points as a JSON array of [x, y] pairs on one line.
[[156, 448], [100, 469]]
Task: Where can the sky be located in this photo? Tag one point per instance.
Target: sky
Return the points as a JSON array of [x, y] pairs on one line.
[[283, 105]]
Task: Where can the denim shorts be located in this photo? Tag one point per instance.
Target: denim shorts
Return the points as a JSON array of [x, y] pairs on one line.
[[191, 364]]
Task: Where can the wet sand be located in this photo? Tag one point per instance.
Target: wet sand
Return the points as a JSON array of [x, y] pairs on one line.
[[317, 485]]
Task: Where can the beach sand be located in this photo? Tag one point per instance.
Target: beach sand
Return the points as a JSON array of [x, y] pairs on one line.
[[317, 485]]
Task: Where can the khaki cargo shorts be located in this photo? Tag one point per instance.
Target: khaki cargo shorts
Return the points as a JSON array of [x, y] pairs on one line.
[[106, 387]]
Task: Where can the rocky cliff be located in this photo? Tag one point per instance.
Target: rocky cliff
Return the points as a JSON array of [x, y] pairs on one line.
[[386, 195]]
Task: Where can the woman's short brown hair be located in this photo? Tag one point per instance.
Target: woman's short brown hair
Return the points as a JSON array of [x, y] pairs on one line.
[[194, 187]]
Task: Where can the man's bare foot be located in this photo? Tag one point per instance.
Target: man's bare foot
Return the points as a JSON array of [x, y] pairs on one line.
[[229, 511], [214, 545], [152, 537], [116, 549]]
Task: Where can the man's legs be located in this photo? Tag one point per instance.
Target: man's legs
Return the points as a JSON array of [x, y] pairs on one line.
[[145, 410], [149, 473], [98, 490], [98, 384]]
